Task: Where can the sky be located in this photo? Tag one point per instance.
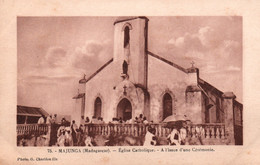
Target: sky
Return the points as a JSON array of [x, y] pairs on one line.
[[55, 52]]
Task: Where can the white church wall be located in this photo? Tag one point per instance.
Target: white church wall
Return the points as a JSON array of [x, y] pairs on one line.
[[76, 113], [101, 86], [133, 94], [162, 78], [109, 87]]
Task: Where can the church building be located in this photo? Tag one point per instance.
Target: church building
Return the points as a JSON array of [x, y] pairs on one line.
[[134, 82]]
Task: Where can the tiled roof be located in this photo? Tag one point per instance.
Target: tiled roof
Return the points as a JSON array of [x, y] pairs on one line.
[[30, 111], [208, 87]]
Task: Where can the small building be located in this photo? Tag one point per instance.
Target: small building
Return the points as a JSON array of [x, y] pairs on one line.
[[29, 115]]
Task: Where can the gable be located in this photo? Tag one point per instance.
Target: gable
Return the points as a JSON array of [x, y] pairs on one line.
[[161, 72]]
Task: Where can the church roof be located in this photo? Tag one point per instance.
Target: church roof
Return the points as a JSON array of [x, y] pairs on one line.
[[94, 74], [127, 18], [168, 62], [150, 53], [208, 87]]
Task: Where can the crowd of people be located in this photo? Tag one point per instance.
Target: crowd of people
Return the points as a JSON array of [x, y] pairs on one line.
[[115, 120], [94, 120], [63, 132], [69, 134], [48, 120], [178, 135], [73, 135]]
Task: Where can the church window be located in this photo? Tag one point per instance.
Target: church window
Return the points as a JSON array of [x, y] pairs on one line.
[[126, 37], [125, 67], [97, 107], [167, 105]]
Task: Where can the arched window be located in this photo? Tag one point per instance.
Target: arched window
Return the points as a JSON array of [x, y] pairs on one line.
[[97, 107], [126, 37], [125, 67], [167, 105]]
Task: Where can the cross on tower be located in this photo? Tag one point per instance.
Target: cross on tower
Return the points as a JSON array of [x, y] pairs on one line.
[[192, 64]]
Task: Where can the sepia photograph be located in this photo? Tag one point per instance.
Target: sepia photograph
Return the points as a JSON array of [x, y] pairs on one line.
[[129, 81]]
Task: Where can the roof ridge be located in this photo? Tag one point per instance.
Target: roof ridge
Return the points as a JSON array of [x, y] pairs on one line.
[[203, 81], [168, 62], [101, 68]]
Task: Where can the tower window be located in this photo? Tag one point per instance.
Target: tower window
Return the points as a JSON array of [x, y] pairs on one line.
[[125, 67], [126, 36]]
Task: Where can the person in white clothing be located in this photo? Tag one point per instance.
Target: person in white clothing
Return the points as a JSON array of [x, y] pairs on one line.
[[150, 139], [41, 120], [145, 120], [61, 136], [49, 119], [173, 137]]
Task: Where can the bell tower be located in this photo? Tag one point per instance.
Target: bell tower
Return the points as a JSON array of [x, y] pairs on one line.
[[130, 45]]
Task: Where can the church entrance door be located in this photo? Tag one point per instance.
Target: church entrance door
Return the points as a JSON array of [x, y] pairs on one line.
[[124, 109]]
